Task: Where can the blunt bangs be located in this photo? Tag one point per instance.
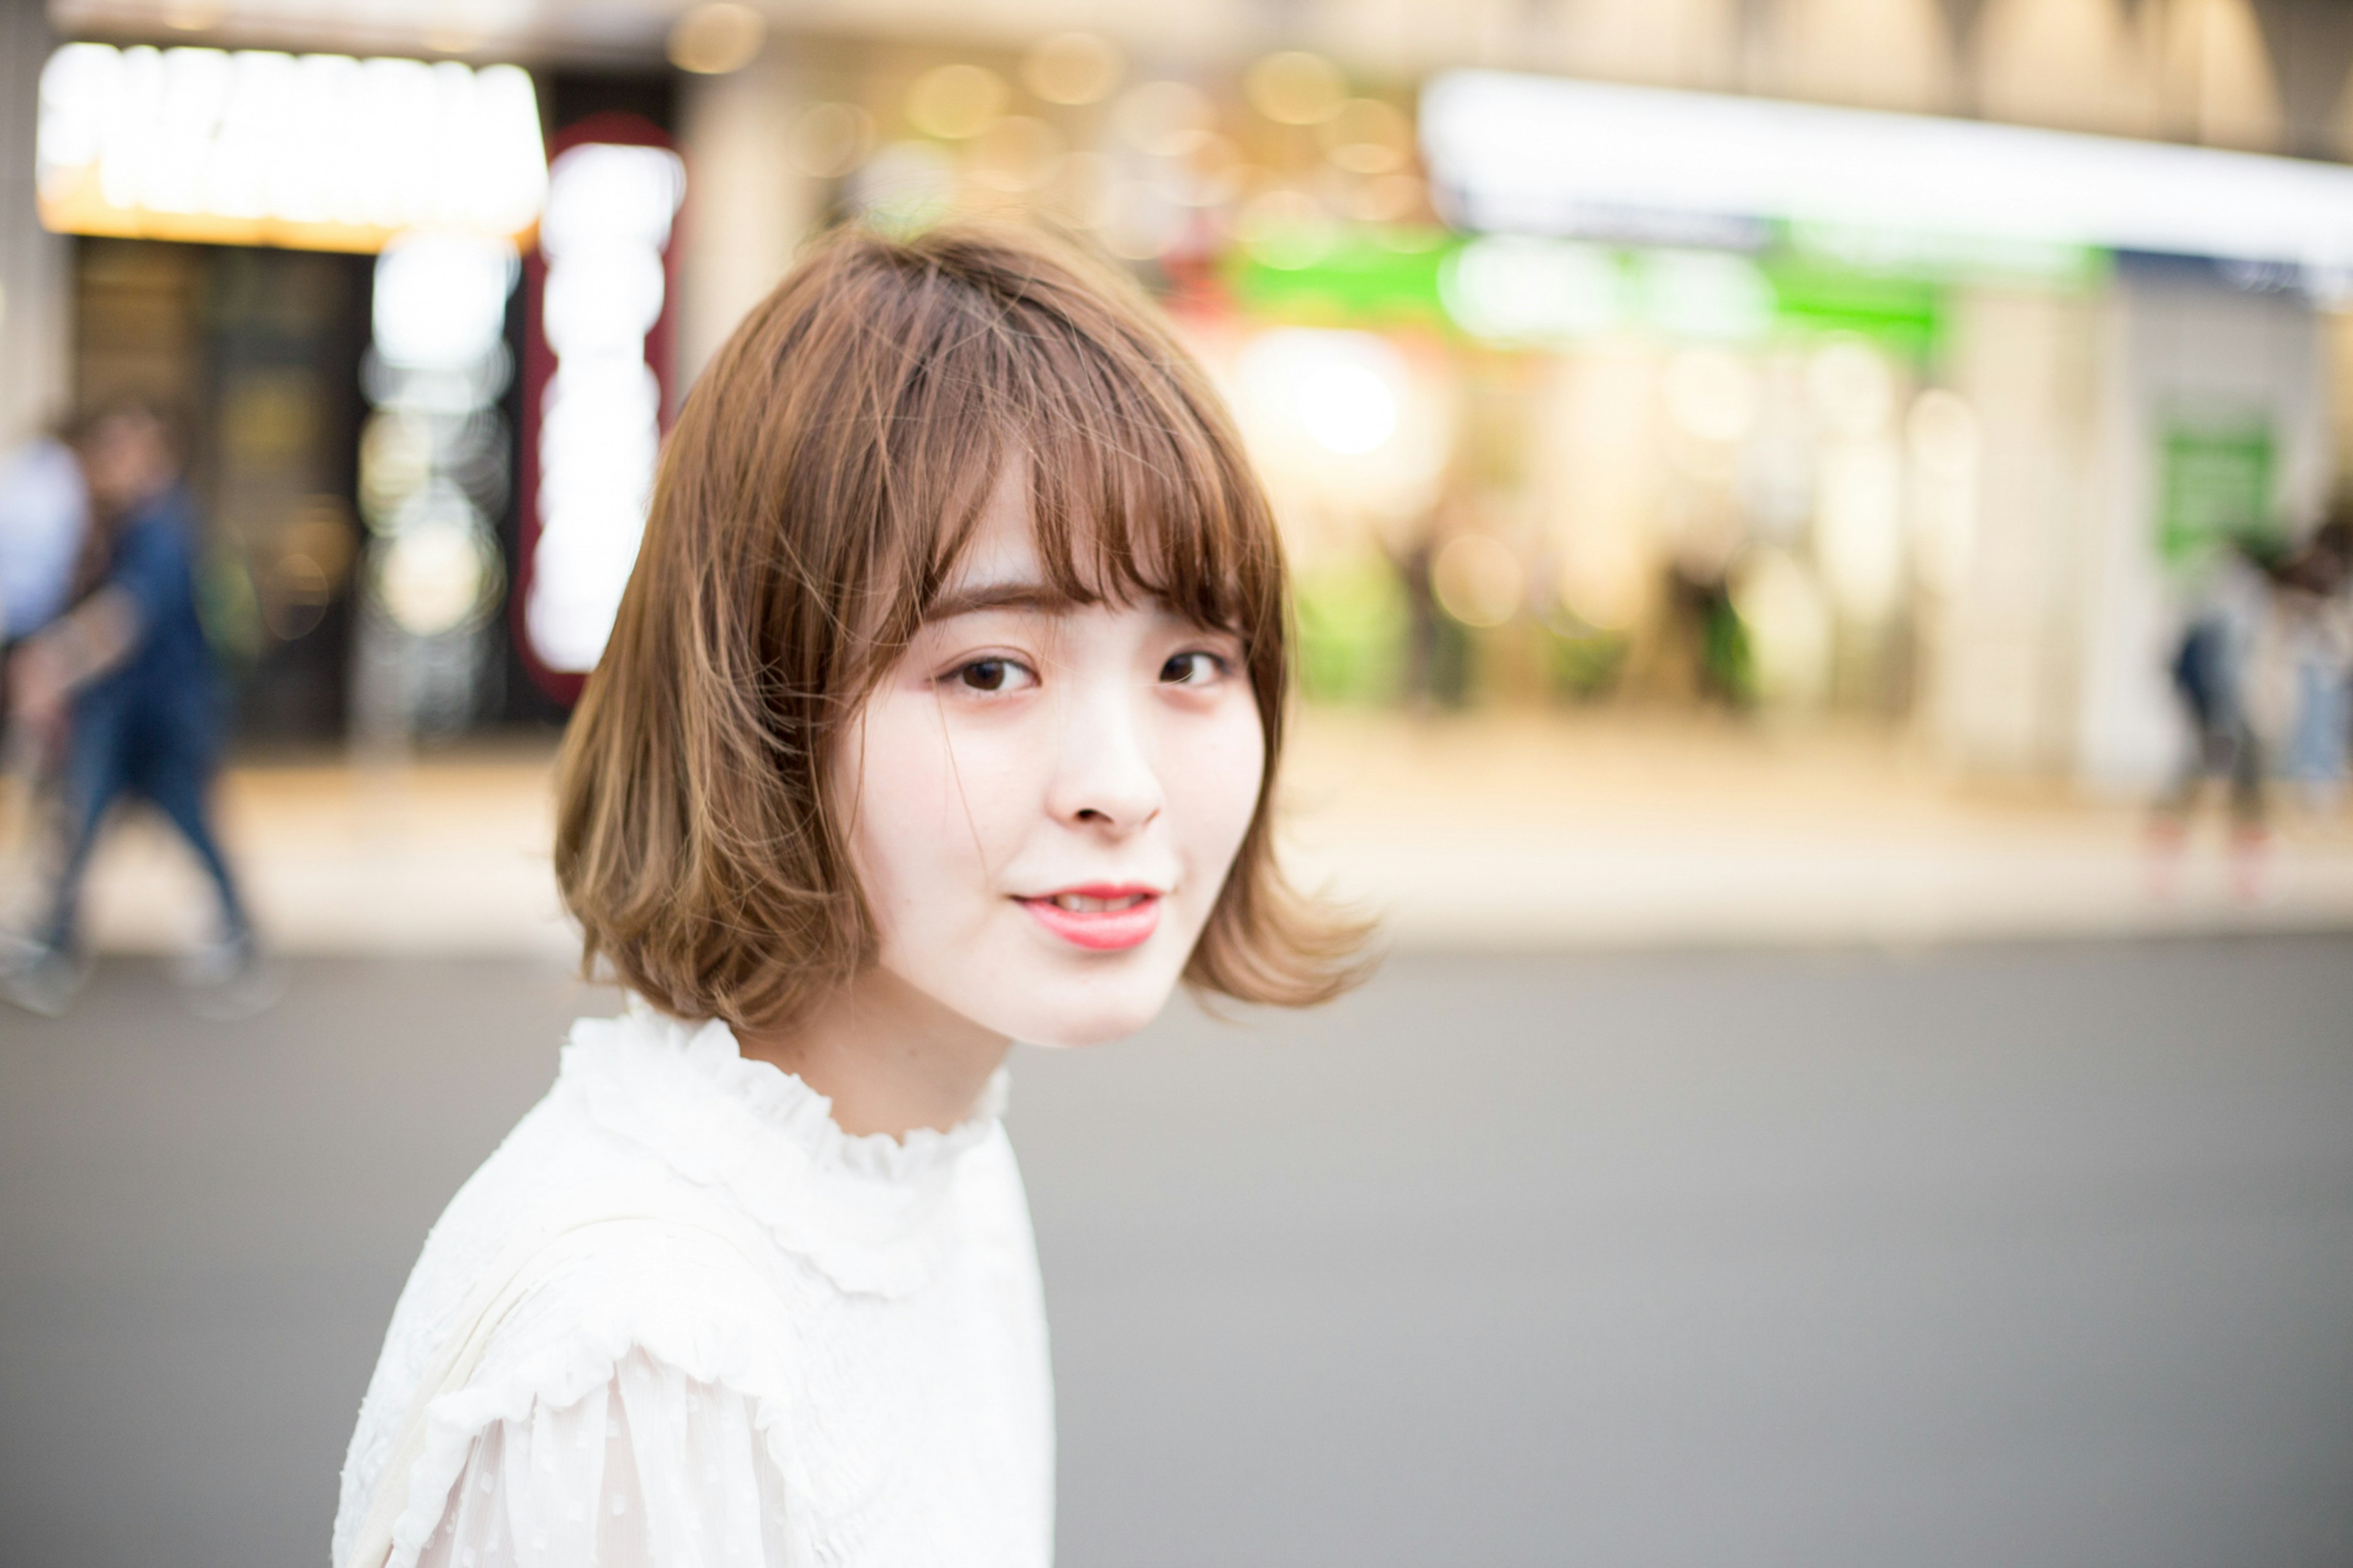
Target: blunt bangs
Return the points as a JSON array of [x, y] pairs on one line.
[[1135, 487]]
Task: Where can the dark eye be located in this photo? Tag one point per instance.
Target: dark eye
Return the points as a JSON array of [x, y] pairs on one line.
[[1189, 670], [984, 674]]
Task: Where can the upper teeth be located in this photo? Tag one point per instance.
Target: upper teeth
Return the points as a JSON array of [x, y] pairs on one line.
[[1079, 903]]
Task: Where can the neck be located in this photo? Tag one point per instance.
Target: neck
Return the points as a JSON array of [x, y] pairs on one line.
[[891, 1058]]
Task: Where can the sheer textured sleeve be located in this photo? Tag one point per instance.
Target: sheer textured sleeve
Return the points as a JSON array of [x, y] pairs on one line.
[[651, 1469]]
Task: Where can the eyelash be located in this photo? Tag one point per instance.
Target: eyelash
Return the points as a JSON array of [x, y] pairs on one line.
[[1220, 665], [957, 677]]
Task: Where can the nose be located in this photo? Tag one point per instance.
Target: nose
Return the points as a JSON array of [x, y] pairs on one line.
[[1105, 778]]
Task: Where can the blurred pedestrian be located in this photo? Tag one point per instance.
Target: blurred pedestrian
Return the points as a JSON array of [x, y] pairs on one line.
[[2209, 676], [122, 686]]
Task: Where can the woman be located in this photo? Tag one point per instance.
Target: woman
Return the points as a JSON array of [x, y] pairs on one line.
[[943, 709]]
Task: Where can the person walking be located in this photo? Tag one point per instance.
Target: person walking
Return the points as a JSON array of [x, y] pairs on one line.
[[123, 683]]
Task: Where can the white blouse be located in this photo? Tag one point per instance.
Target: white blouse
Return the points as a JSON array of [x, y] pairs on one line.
[[744, 1336]]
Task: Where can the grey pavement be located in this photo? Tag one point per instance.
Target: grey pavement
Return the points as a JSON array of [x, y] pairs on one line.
[[2038, 1256]]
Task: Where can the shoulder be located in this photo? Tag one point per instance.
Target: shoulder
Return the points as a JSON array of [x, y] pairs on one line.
[[645, 1463], [624, 1323], [153, 546]]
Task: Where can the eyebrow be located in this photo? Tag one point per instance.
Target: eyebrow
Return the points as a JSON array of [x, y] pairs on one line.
[[1039, 598]]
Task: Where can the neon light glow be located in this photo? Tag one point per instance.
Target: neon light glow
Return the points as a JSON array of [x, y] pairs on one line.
[[1532, 154], [608, 218], [309, 152]]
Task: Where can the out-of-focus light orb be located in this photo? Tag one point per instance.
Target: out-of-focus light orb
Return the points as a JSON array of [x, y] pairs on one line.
[[1390, 198], [193, 16], [395, 459], [1073, 68], [1942, 432], [610, 211], [1165, 119], [1711, 395], [1510, 290], [1707, 294], [956, 102], [905, 185], [294, 596], [322, 531], [442, 298], [1788, 627], [606, 194], [1477, 580], [1368, 136], [1604, 578], [1286, 230], [716, 38], [1144, 223], [1344, 389], [605, 302], [1217, 173], [434, 578], [1016, 154], [1295, 87], [1859, 528], [830, 139], [1851, 387]]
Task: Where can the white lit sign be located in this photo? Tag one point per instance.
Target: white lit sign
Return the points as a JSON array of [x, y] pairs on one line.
[[608, 216], [314, 152], [1541, 155]]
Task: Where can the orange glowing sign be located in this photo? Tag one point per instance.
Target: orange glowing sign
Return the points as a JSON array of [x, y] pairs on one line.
[[308, 152]]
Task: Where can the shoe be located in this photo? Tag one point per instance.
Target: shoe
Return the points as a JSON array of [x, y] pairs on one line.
[[42, 978], [228, 980]]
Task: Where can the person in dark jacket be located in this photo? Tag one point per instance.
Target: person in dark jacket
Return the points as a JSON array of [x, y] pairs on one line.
[[124, 683]]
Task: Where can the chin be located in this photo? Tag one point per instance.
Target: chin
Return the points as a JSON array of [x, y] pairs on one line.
[[1110, 1014]]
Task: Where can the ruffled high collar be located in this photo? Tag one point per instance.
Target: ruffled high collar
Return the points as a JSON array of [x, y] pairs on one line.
[[862, 1208]]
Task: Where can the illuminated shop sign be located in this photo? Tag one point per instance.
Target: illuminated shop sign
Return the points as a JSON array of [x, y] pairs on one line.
[[1540, 155], [595, 390], [308, 152]]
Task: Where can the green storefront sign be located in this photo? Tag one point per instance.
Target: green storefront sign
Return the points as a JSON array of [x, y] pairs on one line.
[[2214, 487]]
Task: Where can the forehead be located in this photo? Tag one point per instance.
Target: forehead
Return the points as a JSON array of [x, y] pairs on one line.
[[1003, 543], [1003, 562]]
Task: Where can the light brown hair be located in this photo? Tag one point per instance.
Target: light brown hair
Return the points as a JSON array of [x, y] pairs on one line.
[[823, 478]]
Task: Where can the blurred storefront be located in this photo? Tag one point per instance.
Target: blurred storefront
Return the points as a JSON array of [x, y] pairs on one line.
[[1596, 405]]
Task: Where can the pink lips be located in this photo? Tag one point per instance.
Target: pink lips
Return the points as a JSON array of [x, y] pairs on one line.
[[1132, 915]]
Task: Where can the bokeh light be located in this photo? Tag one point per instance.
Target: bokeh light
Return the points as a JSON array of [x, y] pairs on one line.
[[1073, 68], [716, 38], [1295, 87], [1478, 580], [956, 102]]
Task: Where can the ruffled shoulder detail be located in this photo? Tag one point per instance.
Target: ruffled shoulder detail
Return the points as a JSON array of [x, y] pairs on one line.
[[650, 1469], [692, 1312], [866, 1210]]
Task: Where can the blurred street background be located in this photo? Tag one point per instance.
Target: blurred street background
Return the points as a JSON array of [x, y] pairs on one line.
[[1823, 531], [1997, 1254]]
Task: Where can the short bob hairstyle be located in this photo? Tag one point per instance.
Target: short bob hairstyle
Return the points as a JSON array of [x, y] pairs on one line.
[[822, 480]]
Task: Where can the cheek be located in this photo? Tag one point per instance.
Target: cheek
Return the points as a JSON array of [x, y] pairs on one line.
[[932, 818], [1213, 780]]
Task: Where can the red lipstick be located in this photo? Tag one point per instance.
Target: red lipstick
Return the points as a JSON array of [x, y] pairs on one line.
[[1101, 917]]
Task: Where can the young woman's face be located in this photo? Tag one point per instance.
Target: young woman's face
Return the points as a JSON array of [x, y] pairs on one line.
[[1047, 799]]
